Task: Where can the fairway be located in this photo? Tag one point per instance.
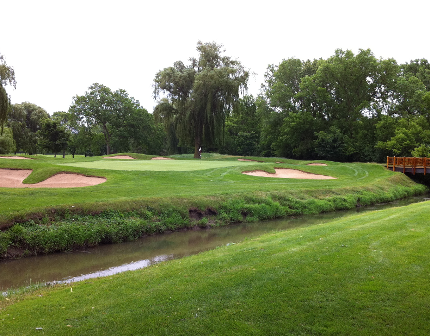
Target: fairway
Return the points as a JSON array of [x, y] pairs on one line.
[[161, 165]]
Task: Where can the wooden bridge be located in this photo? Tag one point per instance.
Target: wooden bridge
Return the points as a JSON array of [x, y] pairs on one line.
[[409, 164]]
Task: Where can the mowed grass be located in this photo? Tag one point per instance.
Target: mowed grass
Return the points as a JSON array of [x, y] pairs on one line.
[[362, 275], [158, 165], [168, 180]]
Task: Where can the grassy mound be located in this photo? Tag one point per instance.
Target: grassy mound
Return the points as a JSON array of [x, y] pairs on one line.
[[132, 203], [363, 275]]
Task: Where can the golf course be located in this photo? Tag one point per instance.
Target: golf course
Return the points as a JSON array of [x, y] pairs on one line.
[[365, 274]]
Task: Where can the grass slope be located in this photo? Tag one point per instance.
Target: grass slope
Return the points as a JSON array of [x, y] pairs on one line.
[[363, 275], [148, 200], [220, 176]]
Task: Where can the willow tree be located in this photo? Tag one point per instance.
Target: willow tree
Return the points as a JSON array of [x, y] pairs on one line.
[[7, 76], [197, 97]]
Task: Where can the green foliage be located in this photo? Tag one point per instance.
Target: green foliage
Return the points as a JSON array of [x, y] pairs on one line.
[[331, 109], [7, 144], [333, 145], [53, 137], [200, 95], [421, 151], [297, 136], [242, 129], [118, 118], [409, 135], [25, 120], [7, 76]]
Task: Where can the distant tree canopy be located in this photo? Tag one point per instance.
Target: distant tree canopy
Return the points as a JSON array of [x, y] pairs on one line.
[[25, 120], [124, 124], [348, 107], [7, 143], [198, 96], [7, 77], [53, 136]]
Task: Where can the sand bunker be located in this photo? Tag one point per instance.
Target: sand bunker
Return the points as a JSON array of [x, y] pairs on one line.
[[161, 158], [125, 157], [10, 178], [317, 164], [15, 157], [249, 160], [289, 173]]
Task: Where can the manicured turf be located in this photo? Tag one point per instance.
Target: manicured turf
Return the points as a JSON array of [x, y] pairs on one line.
[[363, 275], [158, 165], [222, 176]]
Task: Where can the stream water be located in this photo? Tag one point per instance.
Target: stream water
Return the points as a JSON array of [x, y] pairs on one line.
[[106, 260]]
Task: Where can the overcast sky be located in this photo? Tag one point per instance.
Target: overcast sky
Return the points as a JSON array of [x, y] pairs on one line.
[[59, 48]]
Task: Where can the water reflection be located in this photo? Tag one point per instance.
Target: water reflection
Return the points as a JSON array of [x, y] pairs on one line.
[[110, 259]]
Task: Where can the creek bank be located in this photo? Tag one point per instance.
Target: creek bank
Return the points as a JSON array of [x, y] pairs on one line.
[[68, 228], [109, 259]]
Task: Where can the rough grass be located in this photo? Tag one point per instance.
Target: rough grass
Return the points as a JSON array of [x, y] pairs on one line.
[[362, 275]]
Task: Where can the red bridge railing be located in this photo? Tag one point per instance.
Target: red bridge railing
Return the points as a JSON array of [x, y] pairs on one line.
[[408, 164]]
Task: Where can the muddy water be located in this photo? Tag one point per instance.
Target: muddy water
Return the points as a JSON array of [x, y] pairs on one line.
[[110, 259]]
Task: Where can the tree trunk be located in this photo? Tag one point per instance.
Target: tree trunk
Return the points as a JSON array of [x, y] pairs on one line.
[[197, 148]]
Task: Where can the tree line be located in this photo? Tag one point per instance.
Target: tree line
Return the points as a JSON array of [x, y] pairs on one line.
[[349, 107]]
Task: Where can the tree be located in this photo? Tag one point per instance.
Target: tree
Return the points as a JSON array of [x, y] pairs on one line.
[[25, 120], [243, 128], [199, 95], [134, 129], [419, 68], [7, 76], [408, 135], [125, 125], [96, 108], [53, 136], [7, 144], [283, 83]]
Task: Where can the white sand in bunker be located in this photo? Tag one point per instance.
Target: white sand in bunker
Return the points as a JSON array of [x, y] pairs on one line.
[[317, 164], [11, 178], [290, 173], [124, 157], [248, 160], [161, 158], [15, 157]]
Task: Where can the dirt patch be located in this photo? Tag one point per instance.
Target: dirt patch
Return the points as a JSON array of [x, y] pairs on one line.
[[161, 158], [11, 178], [122, 157], [289, 173], [317, 164], [15, 157], [197, 214]]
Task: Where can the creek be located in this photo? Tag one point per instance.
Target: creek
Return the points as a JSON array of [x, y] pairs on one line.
[[107, 260]]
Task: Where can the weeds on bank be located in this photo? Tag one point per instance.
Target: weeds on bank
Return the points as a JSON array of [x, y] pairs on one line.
[[72, 228]]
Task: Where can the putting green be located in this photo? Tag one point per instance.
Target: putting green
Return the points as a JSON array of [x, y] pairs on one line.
[[158, 165]]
